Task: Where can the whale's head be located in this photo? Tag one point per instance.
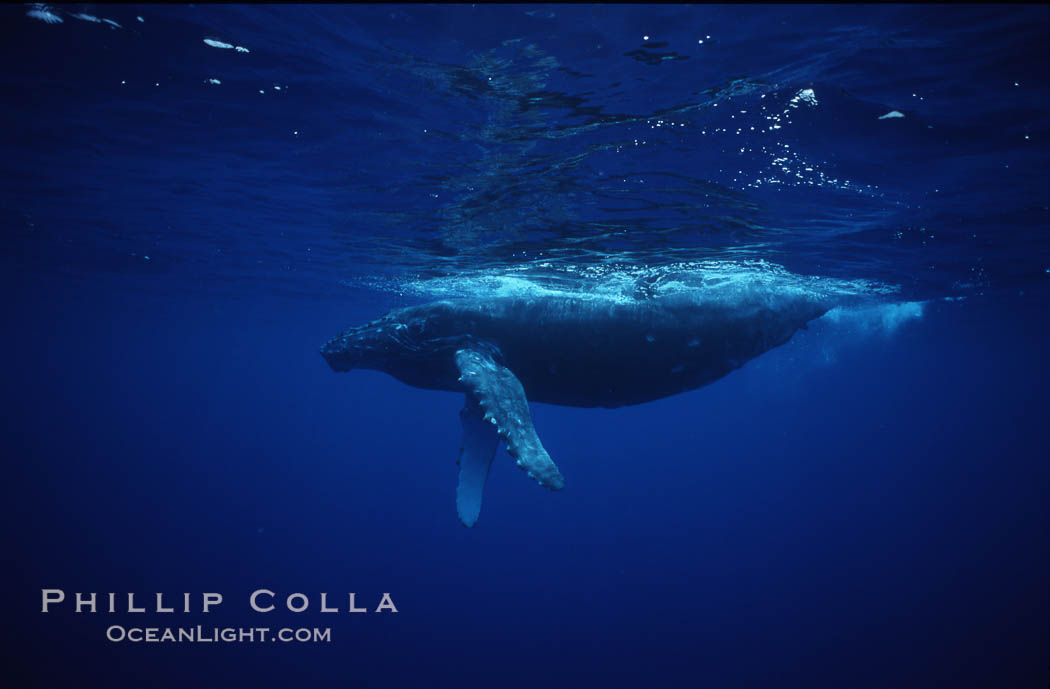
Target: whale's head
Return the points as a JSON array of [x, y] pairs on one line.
[[415, 345]]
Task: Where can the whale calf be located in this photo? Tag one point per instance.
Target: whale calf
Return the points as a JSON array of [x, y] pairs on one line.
[[577, 351]]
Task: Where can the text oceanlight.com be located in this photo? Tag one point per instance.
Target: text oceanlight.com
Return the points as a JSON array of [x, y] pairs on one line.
[[201, 634]]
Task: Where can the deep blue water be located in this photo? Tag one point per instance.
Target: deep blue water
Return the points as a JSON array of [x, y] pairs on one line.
[[866, 506]]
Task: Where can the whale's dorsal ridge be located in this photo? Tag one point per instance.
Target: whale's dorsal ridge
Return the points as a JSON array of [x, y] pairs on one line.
[[496, 398]]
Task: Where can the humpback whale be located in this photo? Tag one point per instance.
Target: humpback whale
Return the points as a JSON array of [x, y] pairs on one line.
[[578, 351]]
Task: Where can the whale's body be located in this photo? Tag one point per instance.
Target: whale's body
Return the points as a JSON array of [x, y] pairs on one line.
[[576, 351]]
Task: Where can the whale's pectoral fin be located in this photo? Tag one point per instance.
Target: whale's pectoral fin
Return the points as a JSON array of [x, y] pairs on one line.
[[502, 400], [480, 440]]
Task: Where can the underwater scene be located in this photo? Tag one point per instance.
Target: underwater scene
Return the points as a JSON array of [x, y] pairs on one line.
[[526, 345]]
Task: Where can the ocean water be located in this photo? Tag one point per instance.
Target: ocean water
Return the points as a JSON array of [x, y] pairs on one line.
[[196, 198]]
